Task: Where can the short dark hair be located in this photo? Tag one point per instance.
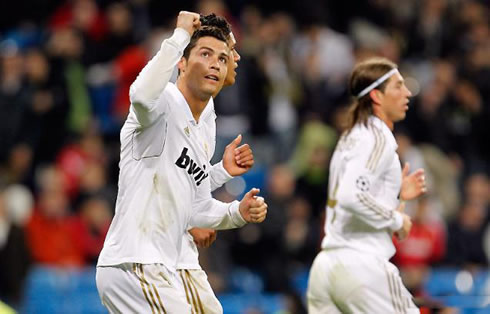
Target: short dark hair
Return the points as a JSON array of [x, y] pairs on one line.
[[216, 21], [363, 75], [204, 31]]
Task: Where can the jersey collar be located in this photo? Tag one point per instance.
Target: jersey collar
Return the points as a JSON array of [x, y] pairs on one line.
[[377, 122], [182, 103]]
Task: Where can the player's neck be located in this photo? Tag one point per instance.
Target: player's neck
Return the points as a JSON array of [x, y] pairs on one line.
[[196, 103], [382, 116], [197, 107], [225, 84]]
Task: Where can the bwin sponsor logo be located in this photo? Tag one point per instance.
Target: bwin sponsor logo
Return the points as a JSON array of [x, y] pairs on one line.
[[186, 162]]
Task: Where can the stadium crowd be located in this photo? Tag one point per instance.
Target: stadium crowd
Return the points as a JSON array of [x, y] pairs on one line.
[[65, 72]]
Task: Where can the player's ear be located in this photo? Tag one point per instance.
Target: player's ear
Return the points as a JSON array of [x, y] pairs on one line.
[[182, 64], [376, 96]]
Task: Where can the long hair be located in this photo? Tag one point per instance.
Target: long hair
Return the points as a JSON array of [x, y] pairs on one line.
[[363, 75]]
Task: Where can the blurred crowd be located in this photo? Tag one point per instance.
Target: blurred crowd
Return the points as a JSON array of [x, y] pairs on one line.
[[65, 71]]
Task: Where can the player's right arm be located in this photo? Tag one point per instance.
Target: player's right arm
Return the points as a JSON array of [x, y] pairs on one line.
[[151, 81], [203, 237], [358, 174]]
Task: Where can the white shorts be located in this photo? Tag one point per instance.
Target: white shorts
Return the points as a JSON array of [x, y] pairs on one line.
[[138, 288], [346, 281], [199, 293]]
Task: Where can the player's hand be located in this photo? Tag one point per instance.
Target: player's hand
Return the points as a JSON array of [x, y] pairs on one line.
[[203, 238], [413, 185], [401, 207], [237, 160], [252, 207], [407, 223], [189, 21]]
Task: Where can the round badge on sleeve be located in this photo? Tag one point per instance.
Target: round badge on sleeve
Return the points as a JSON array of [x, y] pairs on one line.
[[362, 183]]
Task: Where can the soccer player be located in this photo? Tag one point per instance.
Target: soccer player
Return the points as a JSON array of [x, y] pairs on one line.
[[236, 161], [352, 273], [164, 183]]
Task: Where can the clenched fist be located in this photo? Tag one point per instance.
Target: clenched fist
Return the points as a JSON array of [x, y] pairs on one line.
[[189, 21], [252, 207], [203, 238]]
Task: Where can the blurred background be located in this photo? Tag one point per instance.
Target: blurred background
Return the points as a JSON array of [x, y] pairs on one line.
[[65, 71]]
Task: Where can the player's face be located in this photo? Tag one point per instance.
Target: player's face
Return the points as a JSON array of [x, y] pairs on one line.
[[205, 69], [232, 65], [394, 100]]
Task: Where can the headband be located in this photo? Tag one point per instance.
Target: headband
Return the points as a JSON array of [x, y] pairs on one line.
[[377, 82]]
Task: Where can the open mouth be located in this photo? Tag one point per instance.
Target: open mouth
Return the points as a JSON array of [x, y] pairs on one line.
[[212, 77]]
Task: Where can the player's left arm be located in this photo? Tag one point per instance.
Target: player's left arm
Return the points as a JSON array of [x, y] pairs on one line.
[[358, 175], [237, 160], [211, 213]]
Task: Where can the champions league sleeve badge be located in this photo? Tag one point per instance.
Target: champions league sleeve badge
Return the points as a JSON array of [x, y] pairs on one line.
[[362, 183]]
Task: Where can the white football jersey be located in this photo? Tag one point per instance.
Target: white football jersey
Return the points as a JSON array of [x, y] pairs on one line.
[[364, 184], [189, 255], [164, 183]]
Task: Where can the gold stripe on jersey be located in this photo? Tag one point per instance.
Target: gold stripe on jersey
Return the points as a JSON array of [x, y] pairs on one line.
[[399, 293], [191, 281], [380, 151], [159, 299], [387, 212], [143, 287], [186, 290], [363, 202], [379, 146], [154, 303], [331, 202], [193, 297], [391, 289], [376, 162], [366, 200], [373, 152]]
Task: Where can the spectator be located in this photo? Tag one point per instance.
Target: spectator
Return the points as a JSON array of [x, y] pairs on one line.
[[49, 233], [465, 237], [14, 256], [90, 227]]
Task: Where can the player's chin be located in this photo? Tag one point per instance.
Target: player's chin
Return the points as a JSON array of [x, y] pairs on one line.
[[229, 81], [402, 116], [212, 88]]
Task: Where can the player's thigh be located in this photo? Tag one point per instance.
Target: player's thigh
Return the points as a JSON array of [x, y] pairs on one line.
[[371, 286], [198, 291], [318, 296], [400, 297], [137, 288]]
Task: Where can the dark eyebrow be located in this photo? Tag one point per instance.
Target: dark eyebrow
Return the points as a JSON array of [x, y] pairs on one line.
[[212, 50]]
